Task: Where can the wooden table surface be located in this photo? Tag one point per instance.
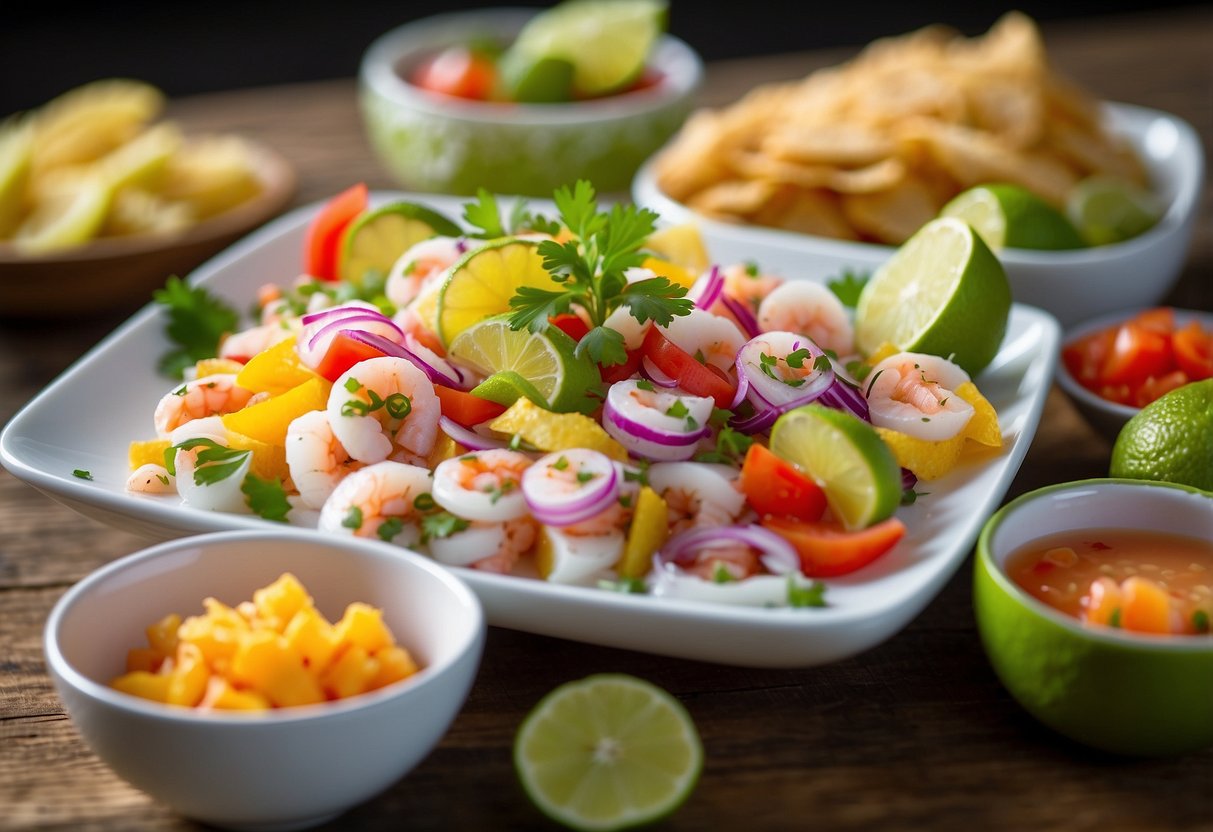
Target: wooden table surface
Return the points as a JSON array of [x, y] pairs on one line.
[[917, 733]]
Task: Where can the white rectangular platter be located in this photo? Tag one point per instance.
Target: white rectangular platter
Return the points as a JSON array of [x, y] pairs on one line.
[[87, 417]]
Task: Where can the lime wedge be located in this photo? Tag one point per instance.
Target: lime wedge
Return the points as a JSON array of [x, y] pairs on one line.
[[71, 218], [1109, 210], [482, 282], [544, 361], [1009, 216], [506, 387], [544, 80], [943, 292], [606, 41], [376, 239], [608, 752], [846, 457]]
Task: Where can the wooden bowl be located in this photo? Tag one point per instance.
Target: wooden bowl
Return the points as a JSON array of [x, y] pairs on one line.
[[120, 273]]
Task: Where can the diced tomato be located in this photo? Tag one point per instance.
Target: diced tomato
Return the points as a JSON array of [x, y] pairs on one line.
[[1085, 357], [1152, 388], [1194, 351], [325, 233], [458, 71], [1119, 393], [612, 373], [693, 377], [775, 487], [464, 408], [570, 324], [344, 353], [1137, 353], [1161, 319], [827, 549]]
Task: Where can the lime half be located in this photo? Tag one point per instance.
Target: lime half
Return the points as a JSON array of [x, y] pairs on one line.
[[1170, 439], [846, 457], [544, 362], [608, 752], [606, 41], [1009, 216], [943, 292], [1107, 210], [376, 239]]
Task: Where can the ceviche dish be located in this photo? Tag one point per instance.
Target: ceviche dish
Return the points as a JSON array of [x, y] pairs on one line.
[[581, 398]]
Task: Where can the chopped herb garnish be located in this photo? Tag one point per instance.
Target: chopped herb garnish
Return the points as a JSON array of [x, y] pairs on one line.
[[398, 405], [822, 363], [213, 464], [751, 268], [440, 525], [163, 479], [197, 320], [496, 492], [1114, 619], [795, 358], [812, 595], [678, 409], [424, 502], [731, 448], [848, 286], [721, 574], [266, 497], [625, 500], [82, 474], [640, 475], [585, 476], [352, 384], [353, 520], [645, 384], [515, 442], [909, 496], [629, 586], [561, 463], [389, 528], [720, 417], [1200, 621], [859, 369], [700, 357]]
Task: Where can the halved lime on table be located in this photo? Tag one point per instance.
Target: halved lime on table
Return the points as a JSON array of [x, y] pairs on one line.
[[608, 752], [545, 362], [1106, 210], [376, 239], [1010, 216], [846, 457], [606, 41], [943, 293]]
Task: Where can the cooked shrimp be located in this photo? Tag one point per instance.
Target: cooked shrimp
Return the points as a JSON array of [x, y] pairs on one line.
[[490, 547], [699, 495], [810, 309], [377, 501], [384, 407], [316, 460], [483, 486], [581, 559], [207, 396], [749, 284], [151, 479], [710, 338], [913, 393], [243, 345], [423, 262]]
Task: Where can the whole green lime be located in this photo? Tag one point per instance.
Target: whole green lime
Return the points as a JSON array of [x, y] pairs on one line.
[[1170, 440]]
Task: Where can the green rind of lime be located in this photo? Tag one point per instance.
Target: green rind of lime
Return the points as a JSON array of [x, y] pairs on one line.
[[1010, 216], [608, 752], [544, 80], [377, 238], [943, 293], [1108, 210], [846, 457], [506, 387], [1170, 439]]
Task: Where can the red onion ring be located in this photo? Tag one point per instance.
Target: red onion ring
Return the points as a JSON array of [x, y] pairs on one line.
[[742, 314], [593, 497], [842, 396], [777, 554], [469, 438], [766, 390], [390, 347], [334, 313], [650, 371], [706, 289], [908, 479]]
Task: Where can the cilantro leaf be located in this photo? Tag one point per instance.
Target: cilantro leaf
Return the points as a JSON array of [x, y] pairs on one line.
[[197, 320], [213, 463], [848, 286], [82, 473], [655, 299], [628, 586], [441, 524], [484, 214], [812, 595], [535, 306], [603, 345], [266, 497]]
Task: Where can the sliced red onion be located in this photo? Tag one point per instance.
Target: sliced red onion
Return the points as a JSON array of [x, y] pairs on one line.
[[760, 422], [706, 290], [908, 479], [640, 421], [842, 396], [318, 335], [437, 372], [469, 438], [332, 313], [555, 490], [650, 371], [742, 313], [776, 553]]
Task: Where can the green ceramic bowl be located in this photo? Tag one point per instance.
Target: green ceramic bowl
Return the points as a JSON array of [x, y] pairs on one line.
[[441, 144], [1119, 692]]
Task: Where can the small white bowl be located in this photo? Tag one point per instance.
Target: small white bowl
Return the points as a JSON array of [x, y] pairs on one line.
[[440, 143], [1106, 416], [289, 768], [1072, 285]]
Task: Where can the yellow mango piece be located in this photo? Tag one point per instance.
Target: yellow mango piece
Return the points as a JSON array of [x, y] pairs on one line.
[[222, 696], [395, 663], [282, 599], [275, 370], [649, 530], [444, 448], [145, 685], [143, 658], [351, 674], [313, 638], [215, 366], [162, 636], [983, 427], [267, 421], [679, 275], [362, 625], [189, 677], [269, 461], [681, 244], [928, 460], [266, 663], [549, 431], [1146, 607], [216, 635], [545, 553], [143, 452]]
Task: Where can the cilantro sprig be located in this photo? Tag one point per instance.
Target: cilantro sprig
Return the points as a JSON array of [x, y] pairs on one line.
[[197, 321], [848, 286], [590, 269], [484, 214]]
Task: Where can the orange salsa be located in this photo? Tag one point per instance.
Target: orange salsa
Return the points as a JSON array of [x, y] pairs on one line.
[[1143, 581]]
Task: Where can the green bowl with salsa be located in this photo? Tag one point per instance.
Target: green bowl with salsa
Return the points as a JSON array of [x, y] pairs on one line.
[[1102, 685]]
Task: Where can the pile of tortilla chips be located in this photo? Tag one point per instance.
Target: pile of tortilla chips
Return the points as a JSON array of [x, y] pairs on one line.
[[872, 149]]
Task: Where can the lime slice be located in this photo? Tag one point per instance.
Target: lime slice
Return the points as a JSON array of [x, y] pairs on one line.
[[67, 220], [1109, 210], [482, 282], [507, 387], [543, 360], [1170, 439], [846, 457], [16, 151], [608, 752], [376, 239], [943, 292], [544, 80], [1008, 216], [607, 41]]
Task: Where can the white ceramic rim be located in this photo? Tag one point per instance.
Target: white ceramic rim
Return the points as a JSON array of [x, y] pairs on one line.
[[645, 191], [1070, 385], [680, 65], [327, 710], [1109, 635]]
